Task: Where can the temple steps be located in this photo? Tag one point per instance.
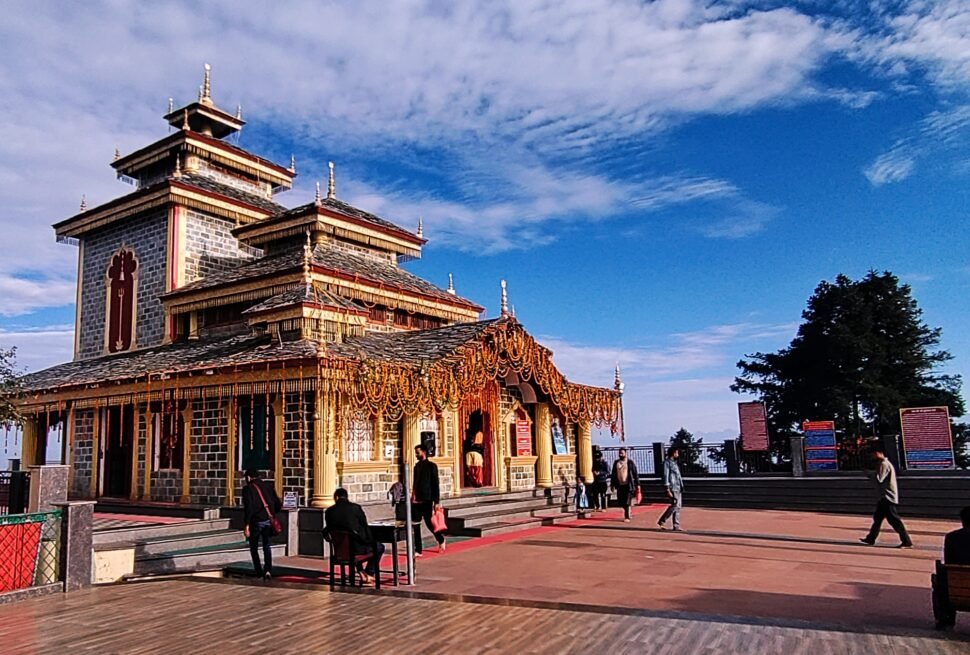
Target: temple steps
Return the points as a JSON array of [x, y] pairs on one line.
[[488, 515], [200, 558], [147, 533]]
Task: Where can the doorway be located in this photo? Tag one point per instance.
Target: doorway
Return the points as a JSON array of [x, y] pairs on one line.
[[477, 452], [117, 450]]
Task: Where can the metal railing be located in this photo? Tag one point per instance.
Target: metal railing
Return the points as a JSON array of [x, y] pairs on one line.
[[642, 457], [14, 492], [30, 550]]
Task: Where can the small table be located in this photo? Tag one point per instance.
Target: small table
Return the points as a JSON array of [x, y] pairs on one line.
[[389, 532]]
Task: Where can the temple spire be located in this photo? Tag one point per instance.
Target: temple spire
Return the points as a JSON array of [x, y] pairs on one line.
[[171, 105], [178, 166], [316, 198], [238, 111], [420, 231], [117, 154], [451, 284], [617, 380], [292, 163], [307, 254], [504, 312], [185, 120], [84, 203], [205, 94], [331, 185]]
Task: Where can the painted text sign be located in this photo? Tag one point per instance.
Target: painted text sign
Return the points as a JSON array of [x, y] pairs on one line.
[[754, 426], [927, 440], [821, 453]]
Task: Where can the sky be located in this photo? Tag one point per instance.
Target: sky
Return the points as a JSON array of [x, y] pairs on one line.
[[662, 184]]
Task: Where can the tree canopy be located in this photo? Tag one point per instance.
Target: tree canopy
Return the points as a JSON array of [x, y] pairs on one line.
[[861, 353], [9, 386], [690, 451]]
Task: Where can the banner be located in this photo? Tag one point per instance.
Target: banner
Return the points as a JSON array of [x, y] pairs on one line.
[[821, 453], [754, 426], [558, 440], [927, 440], [523, 438]]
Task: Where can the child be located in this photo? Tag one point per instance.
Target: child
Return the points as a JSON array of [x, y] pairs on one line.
[[582, 502]]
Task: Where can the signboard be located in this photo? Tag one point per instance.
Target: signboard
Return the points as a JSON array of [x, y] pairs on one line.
[[290, 500], [558, 440], [927, 439], [754, 426], [821, 453], [523, 438]]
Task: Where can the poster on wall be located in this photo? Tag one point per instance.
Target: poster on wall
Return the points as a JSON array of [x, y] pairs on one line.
[[820, 450], [927, 440], [558, 440], [754, 426], [523, 438]]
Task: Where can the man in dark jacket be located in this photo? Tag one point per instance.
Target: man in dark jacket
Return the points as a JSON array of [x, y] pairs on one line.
[[258, 497], [601, 480], [625, 480], [956, 550], [425, 498], [345, 516]]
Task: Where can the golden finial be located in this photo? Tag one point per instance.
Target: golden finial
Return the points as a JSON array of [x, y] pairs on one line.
[[292, 163], [617, 380], [84, 203], [420, 231], [316, 198], [171, 105], [512, 312], [117, 154], [307, 254], [331, 185], [504, 312], [206, 88], [185, 120], [451, 284], [238, 112], [178, 166]]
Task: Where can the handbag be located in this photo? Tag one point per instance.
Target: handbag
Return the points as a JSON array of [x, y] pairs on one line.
[[438, 522], [639, 497], [274, 523]]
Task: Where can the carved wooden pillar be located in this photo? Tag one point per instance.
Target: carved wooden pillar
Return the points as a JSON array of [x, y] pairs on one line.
[[28, 447], [279, 425], [186, 451], [411, 439], [543, 446], [95, 454], [137, 417], [231, 436], [146, 492]]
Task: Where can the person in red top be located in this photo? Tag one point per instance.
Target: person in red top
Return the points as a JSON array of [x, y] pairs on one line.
[[260, 504]]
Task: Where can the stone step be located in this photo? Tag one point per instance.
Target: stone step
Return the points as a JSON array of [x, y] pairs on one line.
[[459, 523], [198, 559], [468, 498], [171, 510], [142, 533], [195, 540], [510, 507]]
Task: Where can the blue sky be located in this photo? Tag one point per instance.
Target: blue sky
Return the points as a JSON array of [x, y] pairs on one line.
[[662, 184]]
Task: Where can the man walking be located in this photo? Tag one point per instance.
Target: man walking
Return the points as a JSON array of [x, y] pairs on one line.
[[675, 489], [888, 506], [345, 516], [625, 481], [260, 505], [425, 498]]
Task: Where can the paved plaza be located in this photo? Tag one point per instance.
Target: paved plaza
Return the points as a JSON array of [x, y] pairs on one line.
[[738, 582]]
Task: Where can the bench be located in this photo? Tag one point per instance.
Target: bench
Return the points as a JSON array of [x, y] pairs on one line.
[[951, 593]]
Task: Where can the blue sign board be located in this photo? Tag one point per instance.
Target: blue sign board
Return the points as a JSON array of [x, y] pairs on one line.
[[821, 453]]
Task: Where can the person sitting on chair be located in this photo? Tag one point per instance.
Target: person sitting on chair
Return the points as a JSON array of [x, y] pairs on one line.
[[956, 550], [345, 516]]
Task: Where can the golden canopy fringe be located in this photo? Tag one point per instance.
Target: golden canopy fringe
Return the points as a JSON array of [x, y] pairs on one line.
[[397, 388]]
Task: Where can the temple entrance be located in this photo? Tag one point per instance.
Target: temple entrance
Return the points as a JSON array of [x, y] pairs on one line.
[[117, 441], [477, 451]]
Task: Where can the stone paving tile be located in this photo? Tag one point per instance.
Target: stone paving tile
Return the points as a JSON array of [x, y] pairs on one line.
[[181, 616]]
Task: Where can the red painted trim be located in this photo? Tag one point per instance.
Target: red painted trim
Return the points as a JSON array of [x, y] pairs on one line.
[[173, 265]]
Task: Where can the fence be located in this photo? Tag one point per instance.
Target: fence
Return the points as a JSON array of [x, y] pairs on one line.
[[30, 550], [14, 492], [642, 457]]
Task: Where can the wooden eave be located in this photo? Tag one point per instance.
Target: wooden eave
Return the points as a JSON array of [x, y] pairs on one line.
[[209, 111], [260, 168], [324, 219], [307, 310], [169, 191]]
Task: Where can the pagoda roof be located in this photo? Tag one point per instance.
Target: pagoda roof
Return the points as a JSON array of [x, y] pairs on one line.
[[415, 346], [299, 295], [328, 260], [161, 193]]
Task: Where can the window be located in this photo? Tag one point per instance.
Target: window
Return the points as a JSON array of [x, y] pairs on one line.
[[257, 428], [169, 436], [359, 438]]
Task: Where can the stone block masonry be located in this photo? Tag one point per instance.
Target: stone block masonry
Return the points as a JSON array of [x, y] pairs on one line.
[[83, 453], [210, 247], [209, 444], [147, 237]]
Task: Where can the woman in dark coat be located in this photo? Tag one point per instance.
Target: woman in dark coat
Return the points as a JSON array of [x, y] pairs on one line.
[[601, 481]]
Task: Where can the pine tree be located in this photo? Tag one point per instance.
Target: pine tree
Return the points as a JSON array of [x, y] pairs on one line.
[[691, 452], [10, 386]]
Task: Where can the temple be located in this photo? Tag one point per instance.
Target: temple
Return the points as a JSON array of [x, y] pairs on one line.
[[218, 331]]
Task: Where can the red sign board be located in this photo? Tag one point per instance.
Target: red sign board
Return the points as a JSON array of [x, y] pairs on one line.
[[523, 438], [927, 440], [754, 426]]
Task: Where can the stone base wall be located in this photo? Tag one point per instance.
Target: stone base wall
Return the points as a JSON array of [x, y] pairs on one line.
[[521, 476], [564, 472], [368, 487], [446, 476], [166, 486], [208, 456]]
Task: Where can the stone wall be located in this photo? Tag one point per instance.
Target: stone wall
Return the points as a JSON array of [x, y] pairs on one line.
[[521, 476], [210, 247], [146, 236], [365, 487], [83, 453], [446, 477], [564, 470], [208, 451], [298, 445]]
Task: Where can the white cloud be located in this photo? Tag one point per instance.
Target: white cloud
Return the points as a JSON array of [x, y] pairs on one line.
[[939, 132], [22, 296], [39, 347]]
